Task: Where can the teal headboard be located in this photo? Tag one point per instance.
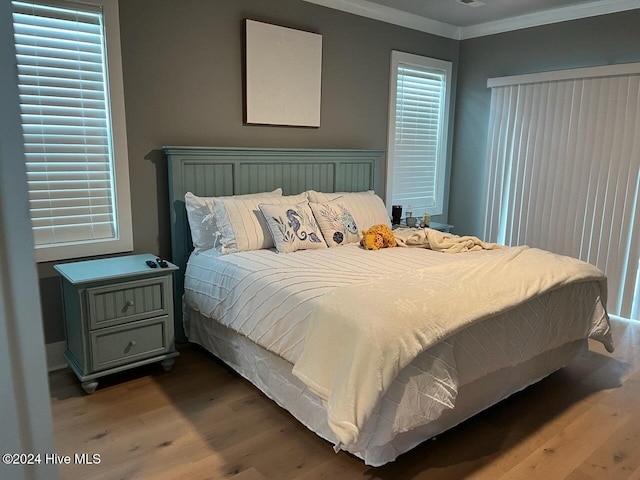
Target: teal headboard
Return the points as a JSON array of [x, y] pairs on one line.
[[216, 171]]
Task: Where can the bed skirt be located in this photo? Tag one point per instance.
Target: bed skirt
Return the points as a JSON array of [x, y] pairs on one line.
[[272, 375]]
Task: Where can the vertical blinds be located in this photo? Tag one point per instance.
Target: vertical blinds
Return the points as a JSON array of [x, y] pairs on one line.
[[564, 170], [66, 122], [420, 102]]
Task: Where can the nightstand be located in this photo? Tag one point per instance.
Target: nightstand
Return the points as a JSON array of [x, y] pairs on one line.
[[118, 315], [441, 227]]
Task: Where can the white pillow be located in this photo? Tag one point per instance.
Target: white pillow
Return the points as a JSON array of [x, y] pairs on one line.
[[202, 220], [321, 197], [336, 223], [366, 208], [242, 226], [292, 227]]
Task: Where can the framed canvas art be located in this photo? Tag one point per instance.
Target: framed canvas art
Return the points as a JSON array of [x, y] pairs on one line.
[[283, 73]]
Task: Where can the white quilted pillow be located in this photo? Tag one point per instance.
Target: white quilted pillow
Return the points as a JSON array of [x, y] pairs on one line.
[[242, 226], [322, 197], [202, 219]]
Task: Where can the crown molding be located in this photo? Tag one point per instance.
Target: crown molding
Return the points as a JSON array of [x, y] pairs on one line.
[[546, 17], [394, 16]]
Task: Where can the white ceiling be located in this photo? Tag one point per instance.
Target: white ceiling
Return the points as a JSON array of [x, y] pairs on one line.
[[449, 18], [460, 15]]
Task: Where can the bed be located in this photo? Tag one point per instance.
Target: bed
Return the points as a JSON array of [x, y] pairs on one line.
[[254, 310]]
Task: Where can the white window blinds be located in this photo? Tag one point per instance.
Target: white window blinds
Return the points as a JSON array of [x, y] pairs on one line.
[[417, 132], [66, 122], [564, 170]]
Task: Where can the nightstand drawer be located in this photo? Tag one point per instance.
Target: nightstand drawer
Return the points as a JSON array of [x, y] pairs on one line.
[[127, 302], [119, 345]]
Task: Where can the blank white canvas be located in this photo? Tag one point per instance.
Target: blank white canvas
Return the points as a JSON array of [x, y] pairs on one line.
[[283, 75]]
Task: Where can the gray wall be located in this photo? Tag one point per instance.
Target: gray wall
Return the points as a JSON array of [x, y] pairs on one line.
[[182, 63], [593, 41]]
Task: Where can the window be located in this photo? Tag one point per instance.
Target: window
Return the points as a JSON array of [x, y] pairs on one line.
[[72, 109], [418, 122], [563, 169]]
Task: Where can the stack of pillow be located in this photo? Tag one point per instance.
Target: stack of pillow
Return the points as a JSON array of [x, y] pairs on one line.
[[256, 221]]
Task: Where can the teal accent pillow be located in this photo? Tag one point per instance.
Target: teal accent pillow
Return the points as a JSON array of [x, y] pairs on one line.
[[292, 226]]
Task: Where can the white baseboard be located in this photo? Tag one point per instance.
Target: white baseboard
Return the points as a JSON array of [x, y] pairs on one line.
[[55, 356]]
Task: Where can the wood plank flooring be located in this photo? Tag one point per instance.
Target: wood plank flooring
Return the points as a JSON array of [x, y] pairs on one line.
[[202, 421]]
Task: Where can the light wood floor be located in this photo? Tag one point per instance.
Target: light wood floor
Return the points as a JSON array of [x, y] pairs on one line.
[[203, 421]]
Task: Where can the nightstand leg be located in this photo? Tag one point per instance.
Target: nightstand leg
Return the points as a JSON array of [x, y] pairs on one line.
[[90, 386], [167, 364]]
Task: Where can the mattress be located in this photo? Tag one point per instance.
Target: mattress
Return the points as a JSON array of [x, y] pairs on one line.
[[267, 297]]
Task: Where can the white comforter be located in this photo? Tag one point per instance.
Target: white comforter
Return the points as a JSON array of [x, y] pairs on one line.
[[361, 337], [269, 297]]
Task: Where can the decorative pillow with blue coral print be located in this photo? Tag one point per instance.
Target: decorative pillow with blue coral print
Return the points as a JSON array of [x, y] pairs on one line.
[[336, 223], [292, 227]]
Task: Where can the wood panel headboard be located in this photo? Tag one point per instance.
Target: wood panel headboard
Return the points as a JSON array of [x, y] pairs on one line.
[[217, 171]]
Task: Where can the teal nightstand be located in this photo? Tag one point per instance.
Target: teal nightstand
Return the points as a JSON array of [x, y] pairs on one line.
[[442, 227], [118, 315]]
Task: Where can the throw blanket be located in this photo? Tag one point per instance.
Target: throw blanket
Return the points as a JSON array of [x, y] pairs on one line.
[[360, 337], [439, 241]]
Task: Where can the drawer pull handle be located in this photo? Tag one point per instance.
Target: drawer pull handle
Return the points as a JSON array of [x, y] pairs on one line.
[[130, 345], [127, 306]]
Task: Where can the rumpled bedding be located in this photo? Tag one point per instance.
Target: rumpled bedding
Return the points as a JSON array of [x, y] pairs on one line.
[[440, 241]]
